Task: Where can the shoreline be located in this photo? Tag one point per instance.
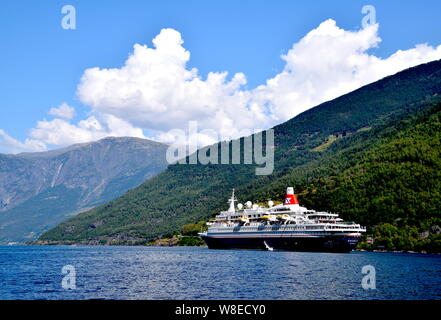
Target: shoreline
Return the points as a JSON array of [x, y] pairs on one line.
[[173, 243], [398, 251]]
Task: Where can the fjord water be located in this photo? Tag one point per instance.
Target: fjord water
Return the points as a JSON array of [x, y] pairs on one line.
[[103, 272]]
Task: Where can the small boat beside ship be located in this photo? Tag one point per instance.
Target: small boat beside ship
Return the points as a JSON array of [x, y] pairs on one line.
[[286, 226]]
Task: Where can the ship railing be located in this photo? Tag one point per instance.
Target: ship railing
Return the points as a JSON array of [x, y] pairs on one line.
[[223, 227]]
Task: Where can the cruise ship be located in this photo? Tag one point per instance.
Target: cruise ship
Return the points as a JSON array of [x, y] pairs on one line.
[[286, 226]]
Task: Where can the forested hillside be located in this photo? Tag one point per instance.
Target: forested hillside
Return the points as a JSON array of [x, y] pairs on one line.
[[372, 155]]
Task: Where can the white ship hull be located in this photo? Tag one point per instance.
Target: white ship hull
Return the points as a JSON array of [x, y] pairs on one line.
[[283, 227]]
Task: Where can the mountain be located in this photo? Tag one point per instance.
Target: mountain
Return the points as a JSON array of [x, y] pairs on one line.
[[372, 155], [39, 190]]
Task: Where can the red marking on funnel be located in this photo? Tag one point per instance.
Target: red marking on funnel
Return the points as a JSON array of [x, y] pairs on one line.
[[291, 199]]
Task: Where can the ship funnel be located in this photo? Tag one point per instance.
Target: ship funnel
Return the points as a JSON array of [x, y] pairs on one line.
[[290, 198]]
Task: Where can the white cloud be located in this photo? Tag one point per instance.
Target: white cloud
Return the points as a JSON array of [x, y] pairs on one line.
[[11, 145], [60, 132], [329, 62], [155, 90], [63, 111]]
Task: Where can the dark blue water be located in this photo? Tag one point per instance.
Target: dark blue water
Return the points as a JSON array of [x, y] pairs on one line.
[[34, 272]]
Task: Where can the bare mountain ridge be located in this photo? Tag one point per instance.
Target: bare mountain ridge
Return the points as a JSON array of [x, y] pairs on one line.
[[92, 173]]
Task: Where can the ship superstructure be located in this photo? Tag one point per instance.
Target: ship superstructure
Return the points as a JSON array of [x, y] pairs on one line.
[[286, 226]]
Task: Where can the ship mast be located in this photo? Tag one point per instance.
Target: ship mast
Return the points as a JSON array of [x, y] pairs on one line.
[[232, 200]]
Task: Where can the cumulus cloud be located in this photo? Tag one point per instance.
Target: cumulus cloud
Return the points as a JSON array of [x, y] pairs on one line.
[[155, 90], [329, 62], [11, 145], [59, 132], [63, 111]]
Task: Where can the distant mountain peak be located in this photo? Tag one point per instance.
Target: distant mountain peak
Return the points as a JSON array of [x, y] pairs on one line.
[[109, 139], [40, 189]]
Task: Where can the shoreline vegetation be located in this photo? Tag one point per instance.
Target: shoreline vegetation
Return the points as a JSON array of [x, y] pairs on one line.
[[175, 242], [384, 237]]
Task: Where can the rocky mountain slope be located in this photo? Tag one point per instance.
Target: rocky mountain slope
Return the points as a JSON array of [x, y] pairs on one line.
[[39, 190]]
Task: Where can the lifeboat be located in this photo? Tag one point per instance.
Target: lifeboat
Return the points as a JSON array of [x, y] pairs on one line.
[[285, 217], [243, 220], [270, 217]]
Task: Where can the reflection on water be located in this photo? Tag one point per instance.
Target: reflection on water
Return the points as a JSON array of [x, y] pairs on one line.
[[34, 272]]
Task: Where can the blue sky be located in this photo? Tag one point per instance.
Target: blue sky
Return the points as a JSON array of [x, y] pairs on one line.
[[42, 64]]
